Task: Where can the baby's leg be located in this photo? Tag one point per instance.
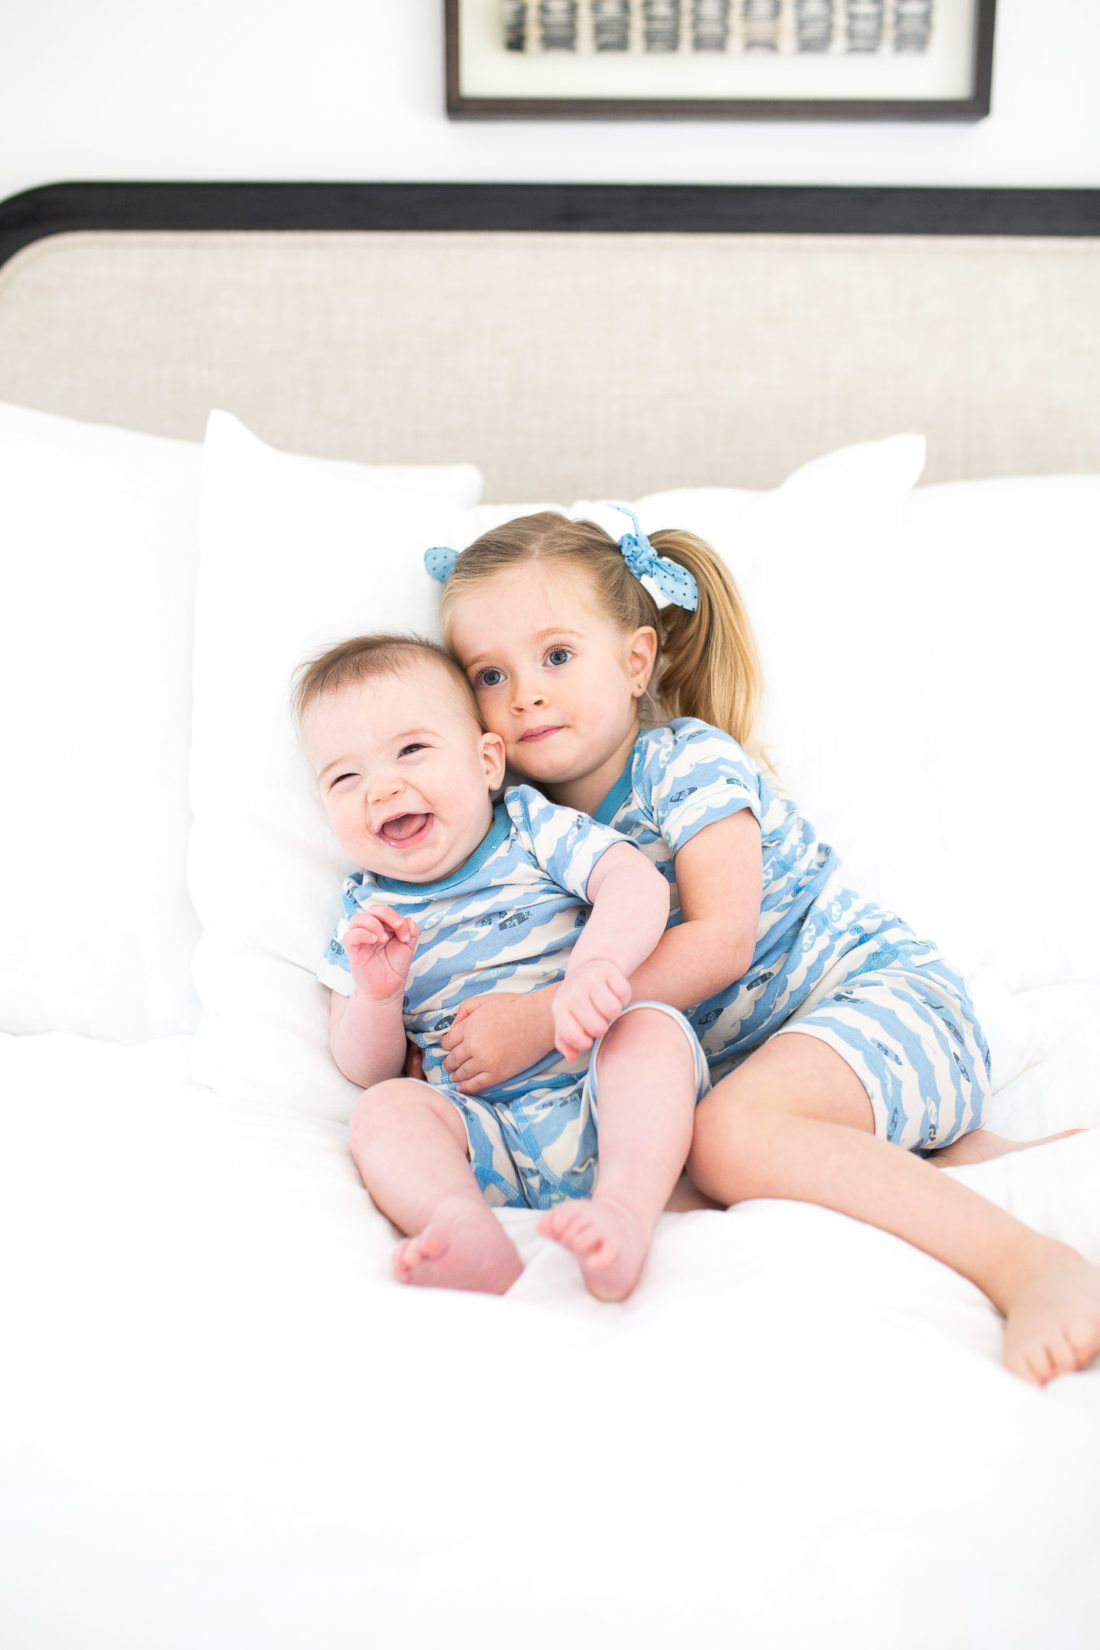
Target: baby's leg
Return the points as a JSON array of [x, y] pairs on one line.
[[648, 1079], [794, 1121], [409, 1145]]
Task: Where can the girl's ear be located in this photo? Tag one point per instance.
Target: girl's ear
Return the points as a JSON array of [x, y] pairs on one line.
[[641, 657], [492, 757]]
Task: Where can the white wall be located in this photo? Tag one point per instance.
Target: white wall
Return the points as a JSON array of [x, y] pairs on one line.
[[353, 89]]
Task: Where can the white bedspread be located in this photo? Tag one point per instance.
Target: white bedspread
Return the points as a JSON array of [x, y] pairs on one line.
[[224, 1426]]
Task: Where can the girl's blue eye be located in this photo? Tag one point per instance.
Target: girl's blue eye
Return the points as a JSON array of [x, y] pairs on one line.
[[559, 655], [491, 677], [408, 750]]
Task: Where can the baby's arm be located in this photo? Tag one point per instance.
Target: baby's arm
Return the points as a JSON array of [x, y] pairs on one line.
[[366, 1030], [630, 902], [719, 874]]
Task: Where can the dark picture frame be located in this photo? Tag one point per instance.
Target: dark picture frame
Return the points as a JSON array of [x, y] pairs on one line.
[[487, 81]]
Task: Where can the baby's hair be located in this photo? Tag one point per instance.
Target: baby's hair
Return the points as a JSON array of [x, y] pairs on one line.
[[361, 658], [707, 663]]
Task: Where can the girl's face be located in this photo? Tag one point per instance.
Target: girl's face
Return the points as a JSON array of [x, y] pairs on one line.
[[554, 677]]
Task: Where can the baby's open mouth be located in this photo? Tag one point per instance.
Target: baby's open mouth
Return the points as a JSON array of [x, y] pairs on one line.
[[405, 828]]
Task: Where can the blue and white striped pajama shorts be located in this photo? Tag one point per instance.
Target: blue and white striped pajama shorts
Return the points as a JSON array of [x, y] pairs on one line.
[[903, 1020], [539, 1150]]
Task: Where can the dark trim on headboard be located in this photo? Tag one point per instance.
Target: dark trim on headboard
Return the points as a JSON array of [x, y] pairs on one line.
[[64, 208]]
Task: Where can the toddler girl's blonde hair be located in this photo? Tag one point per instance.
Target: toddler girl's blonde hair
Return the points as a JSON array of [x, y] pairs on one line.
[[707, 662]]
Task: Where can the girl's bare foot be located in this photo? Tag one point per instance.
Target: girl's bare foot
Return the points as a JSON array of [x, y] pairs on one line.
[[1053, 1325], [982, 1144], [609, 1241], [462, 1247]]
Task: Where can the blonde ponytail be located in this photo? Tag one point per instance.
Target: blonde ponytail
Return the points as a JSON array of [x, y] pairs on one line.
[[710, 667]]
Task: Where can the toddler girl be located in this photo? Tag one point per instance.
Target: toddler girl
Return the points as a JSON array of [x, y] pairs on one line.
[[834, 1033]]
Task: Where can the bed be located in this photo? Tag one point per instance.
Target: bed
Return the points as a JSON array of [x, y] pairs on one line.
[[230, 418]]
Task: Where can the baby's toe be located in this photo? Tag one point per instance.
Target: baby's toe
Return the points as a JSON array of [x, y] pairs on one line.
[[1083, 1339], [553, 1223]]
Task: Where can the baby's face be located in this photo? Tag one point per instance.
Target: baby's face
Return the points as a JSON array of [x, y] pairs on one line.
[[404, 772]]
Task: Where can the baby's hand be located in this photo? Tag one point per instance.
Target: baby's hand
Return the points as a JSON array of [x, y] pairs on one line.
[[380, 947], [591, 996]]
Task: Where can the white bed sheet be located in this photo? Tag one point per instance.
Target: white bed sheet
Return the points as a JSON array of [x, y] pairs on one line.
[[223, 1425]]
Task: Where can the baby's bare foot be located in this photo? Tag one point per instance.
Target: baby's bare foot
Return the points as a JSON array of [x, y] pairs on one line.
[[462, 1247], [609, 1241], [1053, 1322], [981, 1145]]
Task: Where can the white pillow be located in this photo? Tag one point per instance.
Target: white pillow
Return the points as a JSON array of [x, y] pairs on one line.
[[265, 875], [863, 675], [297, 553], [100, 546], [100, 549], [455, 483], [817, 561], [1003, 578]]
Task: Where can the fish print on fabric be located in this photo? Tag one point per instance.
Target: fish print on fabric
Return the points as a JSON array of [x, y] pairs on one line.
[[505, 921]]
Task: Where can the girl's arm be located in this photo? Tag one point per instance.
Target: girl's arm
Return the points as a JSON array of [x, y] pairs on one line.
[[366, 1030], [720, 878]]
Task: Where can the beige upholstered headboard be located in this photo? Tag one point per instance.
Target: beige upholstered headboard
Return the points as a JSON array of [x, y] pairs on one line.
[[568, 364]]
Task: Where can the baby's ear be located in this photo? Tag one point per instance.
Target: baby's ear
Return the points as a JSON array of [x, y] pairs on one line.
[[492, 756]]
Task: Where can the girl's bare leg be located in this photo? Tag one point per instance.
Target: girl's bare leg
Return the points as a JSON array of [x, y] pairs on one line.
[[647, 1102], [794, 1121], [686, 1198], [980, 1145], [410, 1149]]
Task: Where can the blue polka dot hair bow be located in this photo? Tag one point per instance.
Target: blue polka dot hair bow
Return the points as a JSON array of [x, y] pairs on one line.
[[674, 582], [440, 562]]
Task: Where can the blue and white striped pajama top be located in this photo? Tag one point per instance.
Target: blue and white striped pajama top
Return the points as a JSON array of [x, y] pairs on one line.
[[827, 963]]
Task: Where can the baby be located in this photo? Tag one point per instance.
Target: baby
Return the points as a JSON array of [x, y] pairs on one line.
[[457, 897]]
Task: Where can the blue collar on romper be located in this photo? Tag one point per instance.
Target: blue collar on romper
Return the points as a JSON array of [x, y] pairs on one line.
[[490, 842], [616, 796]]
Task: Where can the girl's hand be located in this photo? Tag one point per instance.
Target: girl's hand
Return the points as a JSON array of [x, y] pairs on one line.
[[592, 995], [380, 946], [498, 1036]]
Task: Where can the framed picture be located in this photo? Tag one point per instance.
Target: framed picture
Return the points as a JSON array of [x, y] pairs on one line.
[[739, 59]]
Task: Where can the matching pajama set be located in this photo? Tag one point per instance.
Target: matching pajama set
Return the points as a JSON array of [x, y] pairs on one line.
[[827, 964]]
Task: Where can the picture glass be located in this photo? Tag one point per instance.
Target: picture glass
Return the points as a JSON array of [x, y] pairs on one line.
[[736, 50]]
